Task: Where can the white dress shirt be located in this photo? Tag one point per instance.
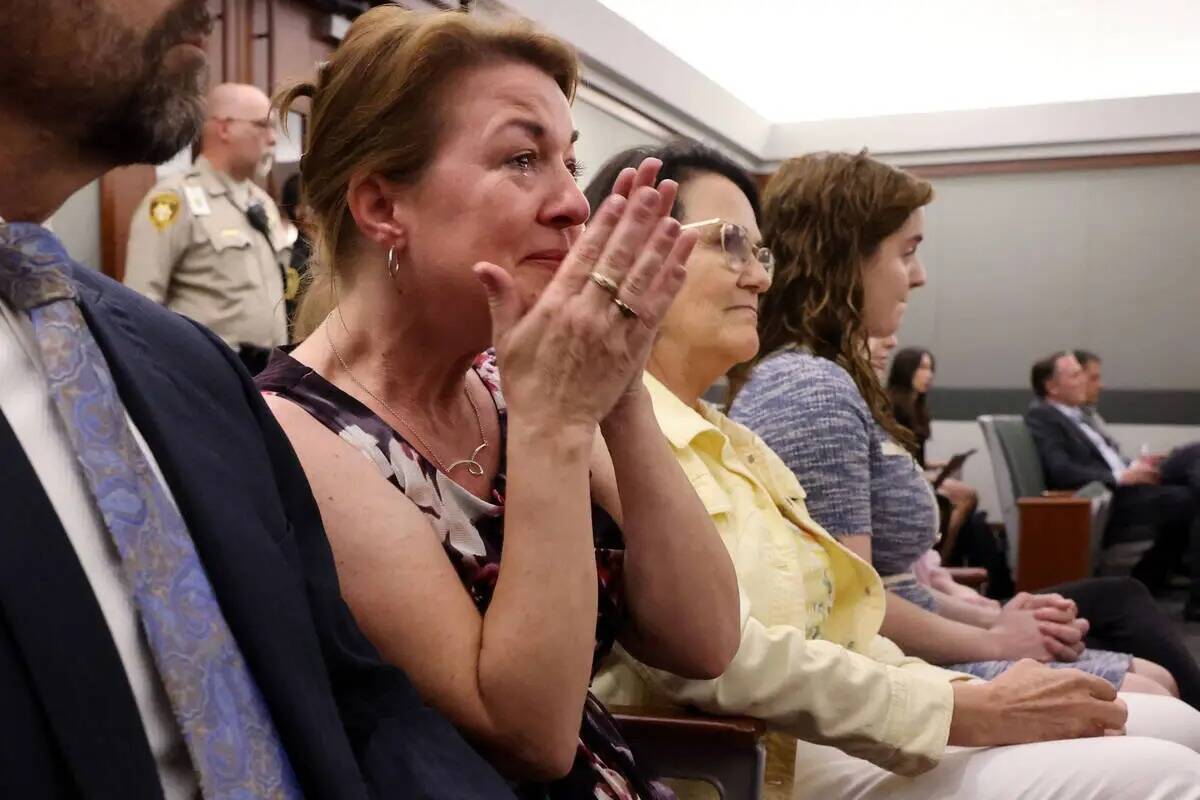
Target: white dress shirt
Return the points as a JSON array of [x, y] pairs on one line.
[[1111, 456], [25, 401]]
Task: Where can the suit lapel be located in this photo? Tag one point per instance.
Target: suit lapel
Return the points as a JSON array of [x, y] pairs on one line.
[[1079, 436], [65, 642]]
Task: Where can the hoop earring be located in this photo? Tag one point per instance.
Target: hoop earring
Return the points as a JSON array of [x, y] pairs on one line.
[[393, 264]]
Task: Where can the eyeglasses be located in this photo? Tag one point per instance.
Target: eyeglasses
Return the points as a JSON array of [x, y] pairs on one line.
[[736, 245]]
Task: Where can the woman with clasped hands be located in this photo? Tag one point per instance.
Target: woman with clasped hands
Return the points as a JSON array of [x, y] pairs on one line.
[[865, 721], [498, 521]]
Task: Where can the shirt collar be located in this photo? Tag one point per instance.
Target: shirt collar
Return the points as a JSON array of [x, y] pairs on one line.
[[680, 423], [1071, 411], [683, 425]]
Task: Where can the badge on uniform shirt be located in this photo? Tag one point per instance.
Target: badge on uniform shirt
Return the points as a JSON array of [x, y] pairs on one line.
[[197, 201], [164, 209]]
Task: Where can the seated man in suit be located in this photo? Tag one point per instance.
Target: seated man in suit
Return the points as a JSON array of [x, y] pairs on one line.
[[1180, 466], [170, 619], [1075, 452]]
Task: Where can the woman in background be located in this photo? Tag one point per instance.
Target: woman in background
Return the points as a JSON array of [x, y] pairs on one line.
[[908, 387], [928, 569]]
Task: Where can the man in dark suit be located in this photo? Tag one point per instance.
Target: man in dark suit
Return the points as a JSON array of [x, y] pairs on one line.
[[1074, 452], [170, 618], [1181, 466]]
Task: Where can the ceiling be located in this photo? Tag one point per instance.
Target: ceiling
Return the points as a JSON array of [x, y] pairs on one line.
[[809, 60]]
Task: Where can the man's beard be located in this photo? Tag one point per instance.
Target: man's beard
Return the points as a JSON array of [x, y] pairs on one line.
[[156, 114], [77, 71]]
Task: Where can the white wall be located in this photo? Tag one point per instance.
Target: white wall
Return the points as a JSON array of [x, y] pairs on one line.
[[1021, 265], [602, 134], [955, 437], [1137, 124]]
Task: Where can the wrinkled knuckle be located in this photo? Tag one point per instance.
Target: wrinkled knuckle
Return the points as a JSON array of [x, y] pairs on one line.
[[594, 327], [584, 329], [588, 252], [634, 286], [578, 321], [1073, 677], [642, 212], [663, 247], [617, 259]]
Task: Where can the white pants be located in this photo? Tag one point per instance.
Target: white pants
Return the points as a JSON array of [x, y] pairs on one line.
[[1157, 759]]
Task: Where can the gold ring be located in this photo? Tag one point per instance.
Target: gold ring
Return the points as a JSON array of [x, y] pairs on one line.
[[626, 311], [604, 282]]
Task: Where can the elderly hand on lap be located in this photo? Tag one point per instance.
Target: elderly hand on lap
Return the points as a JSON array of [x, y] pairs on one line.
[[1030, 702]]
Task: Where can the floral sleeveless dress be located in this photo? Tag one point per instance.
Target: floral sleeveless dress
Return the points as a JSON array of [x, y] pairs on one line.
[[472, 533]]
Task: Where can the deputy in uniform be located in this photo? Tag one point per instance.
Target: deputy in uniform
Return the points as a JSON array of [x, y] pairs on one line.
[[210, 243]]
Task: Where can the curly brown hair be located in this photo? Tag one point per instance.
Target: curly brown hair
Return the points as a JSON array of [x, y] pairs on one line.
[[824, 217]]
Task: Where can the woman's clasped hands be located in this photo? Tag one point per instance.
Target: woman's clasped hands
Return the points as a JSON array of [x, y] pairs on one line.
[[586, 339]]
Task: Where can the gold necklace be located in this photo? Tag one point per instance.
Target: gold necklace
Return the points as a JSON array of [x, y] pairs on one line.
[[473, 466]]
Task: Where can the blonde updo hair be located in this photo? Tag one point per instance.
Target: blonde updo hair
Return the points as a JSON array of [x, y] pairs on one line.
[[377, 108]]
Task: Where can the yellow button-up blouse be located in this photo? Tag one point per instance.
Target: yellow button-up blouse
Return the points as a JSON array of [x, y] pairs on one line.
[[844, 685]]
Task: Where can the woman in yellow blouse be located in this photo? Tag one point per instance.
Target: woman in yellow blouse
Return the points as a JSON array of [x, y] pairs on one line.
[[811, 660]]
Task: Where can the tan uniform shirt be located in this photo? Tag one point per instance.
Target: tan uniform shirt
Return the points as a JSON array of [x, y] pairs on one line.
[[192, 249]]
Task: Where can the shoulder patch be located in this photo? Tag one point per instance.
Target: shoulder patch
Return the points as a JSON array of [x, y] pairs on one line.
[[164, 209]]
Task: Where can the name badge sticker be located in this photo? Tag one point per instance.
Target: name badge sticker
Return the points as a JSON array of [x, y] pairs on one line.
[[197, 201]]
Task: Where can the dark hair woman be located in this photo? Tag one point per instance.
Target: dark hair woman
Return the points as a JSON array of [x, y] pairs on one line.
[[908, 387]]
